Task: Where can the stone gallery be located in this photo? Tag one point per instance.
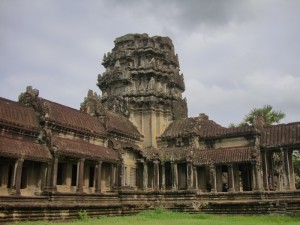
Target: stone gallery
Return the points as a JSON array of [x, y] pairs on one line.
[[135, 148]]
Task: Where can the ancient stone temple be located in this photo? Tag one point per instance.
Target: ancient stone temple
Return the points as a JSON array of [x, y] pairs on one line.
[[135, 148]]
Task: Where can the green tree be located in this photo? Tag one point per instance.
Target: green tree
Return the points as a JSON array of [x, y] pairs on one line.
[[270, 116]]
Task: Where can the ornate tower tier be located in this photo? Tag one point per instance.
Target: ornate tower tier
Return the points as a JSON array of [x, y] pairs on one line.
[[142, 81]]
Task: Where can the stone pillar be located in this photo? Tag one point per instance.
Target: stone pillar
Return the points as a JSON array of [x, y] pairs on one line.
[[253, 180], [80, 166], [41, 177], [236, 172], [145, 176], [287, 170], [195, 173], [174, 172], [213, 178], [112, 176], [156, 175], [52, 174], [259, 179], [230, 178], [123, 175], [98, 179], [163, 176], [189, 174], [13, 177], [256, 178], [18, 176], [118, 175], [265, 171], [292, 173]]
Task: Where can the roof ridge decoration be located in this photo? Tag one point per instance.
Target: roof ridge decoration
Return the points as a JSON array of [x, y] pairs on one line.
[[31, 98], [61, 115], [93, 106]]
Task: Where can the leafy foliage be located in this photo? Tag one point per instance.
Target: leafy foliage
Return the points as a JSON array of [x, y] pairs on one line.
[[82, 215], [270, 116]]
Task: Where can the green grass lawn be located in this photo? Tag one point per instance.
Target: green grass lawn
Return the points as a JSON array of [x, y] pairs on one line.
[[161, 217]]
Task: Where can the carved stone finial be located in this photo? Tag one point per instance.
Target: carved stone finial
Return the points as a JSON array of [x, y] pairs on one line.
[[203, 116], [90, 93], [92, 104], [259, 122], [29, 97]]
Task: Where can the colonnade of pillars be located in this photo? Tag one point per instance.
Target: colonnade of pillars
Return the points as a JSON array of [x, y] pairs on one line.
[[278, 170], [174, 176], [52, 172], [160, 176], [19, 174], [177, 175]]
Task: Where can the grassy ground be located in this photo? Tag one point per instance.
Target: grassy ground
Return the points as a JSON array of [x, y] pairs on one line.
[[161, 217]]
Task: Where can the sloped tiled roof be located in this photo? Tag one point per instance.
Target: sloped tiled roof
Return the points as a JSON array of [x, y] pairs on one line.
[[192, 125], [72, 118], [211, 132], [225, 155], [120, 124], [205, 128], [281, 135], [127, 144], [16, 148], [83, 149], [153, 153], [17, 114], [203, 157]]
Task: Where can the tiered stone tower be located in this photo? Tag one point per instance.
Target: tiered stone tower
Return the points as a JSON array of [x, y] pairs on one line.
[[142, 81]]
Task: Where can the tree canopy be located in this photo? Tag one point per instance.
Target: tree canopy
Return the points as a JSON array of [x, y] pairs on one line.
[[270, 116]]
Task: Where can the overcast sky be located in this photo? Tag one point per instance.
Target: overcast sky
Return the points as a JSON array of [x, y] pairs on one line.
[[235, 55]]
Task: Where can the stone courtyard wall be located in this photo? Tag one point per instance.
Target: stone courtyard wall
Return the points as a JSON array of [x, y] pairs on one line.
[[67, 206]]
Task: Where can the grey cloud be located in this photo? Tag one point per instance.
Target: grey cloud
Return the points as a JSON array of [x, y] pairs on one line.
[[235, 55], [193, 13]]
